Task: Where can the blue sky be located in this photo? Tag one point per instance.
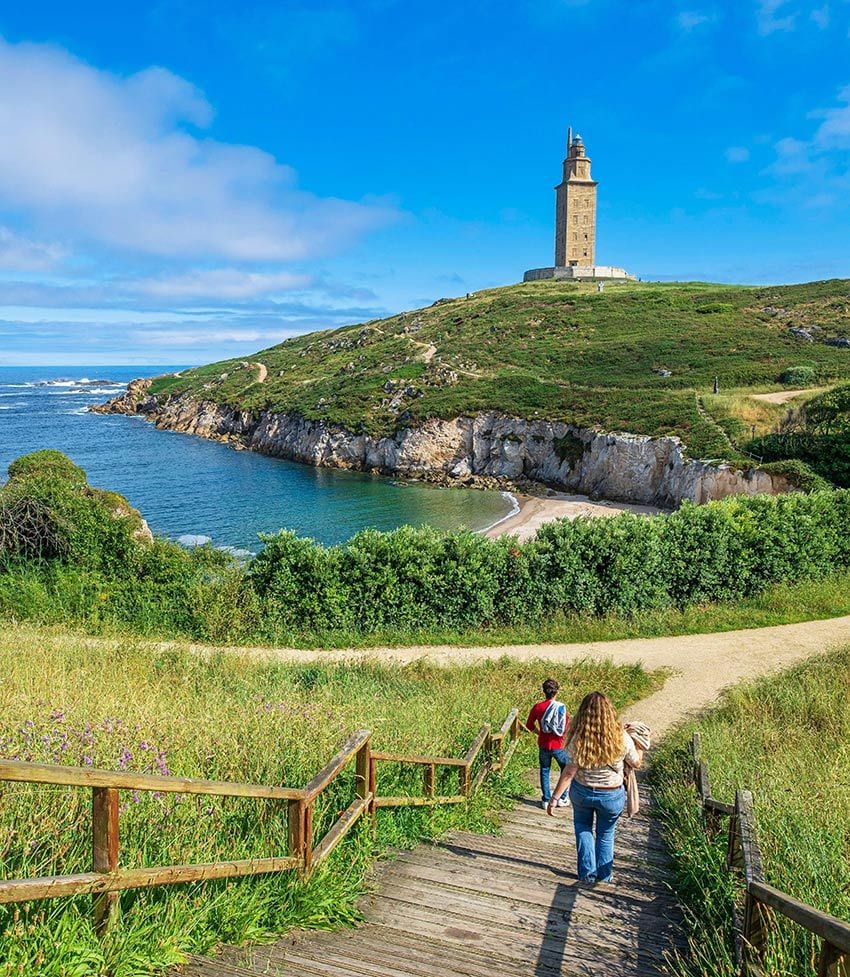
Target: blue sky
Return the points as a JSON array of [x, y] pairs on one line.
[[186, 180]]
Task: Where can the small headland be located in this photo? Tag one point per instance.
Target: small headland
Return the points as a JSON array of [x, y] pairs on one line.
[[649, 393]]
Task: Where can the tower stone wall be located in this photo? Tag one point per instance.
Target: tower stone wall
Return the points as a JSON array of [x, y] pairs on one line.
[[575, 210], [575, 225]]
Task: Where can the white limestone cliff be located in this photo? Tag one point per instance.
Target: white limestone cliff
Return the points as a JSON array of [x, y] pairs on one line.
[[488, 447]]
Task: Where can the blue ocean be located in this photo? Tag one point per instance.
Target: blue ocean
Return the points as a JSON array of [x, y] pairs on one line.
[[194, 490]]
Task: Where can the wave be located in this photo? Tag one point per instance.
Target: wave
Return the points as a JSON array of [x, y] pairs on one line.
[[17, 406], [77, 410], [190, 540], [515, 508]]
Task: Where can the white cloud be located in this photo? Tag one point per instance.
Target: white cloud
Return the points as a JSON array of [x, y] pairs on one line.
[[18, 253], [121, 162], [737, 154], [773, 16], [792, 156], [834, 131], [820, 17], [221, 283], [690, 20]]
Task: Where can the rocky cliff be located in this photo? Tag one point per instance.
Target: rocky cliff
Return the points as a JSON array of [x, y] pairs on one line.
[[488, 447]]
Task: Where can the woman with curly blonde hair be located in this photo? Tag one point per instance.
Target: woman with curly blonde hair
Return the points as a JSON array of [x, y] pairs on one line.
[[598, 746]]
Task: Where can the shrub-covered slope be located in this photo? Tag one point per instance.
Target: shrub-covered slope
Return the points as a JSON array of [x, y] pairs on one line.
[[637, 357]]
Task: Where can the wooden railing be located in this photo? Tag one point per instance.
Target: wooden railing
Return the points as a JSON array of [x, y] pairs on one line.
[[491, 751], [754, 916]]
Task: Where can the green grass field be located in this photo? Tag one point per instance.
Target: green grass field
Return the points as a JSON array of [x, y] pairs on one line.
[[557, 350], [786, 739], [67, 701]]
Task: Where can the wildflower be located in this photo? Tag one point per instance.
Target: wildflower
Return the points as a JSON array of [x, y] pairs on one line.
[[124, 759], [144, 745], [87, 761], [58, 715]]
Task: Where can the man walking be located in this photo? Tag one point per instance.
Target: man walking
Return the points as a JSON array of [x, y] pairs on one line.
[[548, 719]]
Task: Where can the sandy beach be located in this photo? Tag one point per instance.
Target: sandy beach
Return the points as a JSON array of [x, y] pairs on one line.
[[534, 511]]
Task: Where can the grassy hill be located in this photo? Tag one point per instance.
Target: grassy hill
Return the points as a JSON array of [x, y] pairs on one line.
[[558, 350]]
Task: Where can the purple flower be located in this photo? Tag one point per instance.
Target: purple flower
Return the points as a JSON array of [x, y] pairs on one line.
[[87, 761], [144, 745], [58, 715], [125, 757]]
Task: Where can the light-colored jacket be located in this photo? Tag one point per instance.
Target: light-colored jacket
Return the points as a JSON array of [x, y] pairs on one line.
[[641, 736]]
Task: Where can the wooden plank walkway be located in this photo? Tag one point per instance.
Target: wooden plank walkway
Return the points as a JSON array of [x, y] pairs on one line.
[[480, 906]]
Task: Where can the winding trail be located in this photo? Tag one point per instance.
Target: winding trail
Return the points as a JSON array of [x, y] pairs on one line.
[[700, 666], [469, 905]]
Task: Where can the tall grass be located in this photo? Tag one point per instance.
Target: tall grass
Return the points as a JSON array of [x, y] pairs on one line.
[[133, 707], [786, 738]]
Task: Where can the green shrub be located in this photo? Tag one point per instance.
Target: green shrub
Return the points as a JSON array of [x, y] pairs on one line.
[[826, 455], [88, 565], [49, 463], [799, 474], [798, 376]]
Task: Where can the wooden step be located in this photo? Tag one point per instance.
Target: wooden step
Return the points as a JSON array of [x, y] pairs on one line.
[[506, 905]]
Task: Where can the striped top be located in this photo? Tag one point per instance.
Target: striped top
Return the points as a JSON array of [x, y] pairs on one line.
[[610, 775]]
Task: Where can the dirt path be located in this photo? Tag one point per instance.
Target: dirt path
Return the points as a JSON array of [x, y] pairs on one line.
[[780, 397], [701, 665], [262, 372]]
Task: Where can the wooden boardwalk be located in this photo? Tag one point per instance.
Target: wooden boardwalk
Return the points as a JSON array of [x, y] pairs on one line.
[[481, 906]]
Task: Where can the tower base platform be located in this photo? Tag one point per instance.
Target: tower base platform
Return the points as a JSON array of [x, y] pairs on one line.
[[580, 273]]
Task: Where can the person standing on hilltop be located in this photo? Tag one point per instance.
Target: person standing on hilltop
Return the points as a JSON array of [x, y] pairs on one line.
[[548, 719], [598, 747]]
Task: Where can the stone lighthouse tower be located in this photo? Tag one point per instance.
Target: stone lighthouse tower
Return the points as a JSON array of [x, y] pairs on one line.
[[575, 223], [575, 209]]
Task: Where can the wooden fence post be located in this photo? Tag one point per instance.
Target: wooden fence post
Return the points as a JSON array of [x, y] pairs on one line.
[[832, 962], [430, 776], [363, 761], [308, 838], [104, 833], [297, 823], [373, 790], [755, 936], [465, 779]]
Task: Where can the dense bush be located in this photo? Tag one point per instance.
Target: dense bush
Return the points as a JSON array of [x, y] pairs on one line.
[[418, 578], [95, 569], [817, 435], [827, 455], [798, 376], [48, 512]]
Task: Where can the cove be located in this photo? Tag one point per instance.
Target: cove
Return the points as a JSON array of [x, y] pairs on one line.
[[191, 487]]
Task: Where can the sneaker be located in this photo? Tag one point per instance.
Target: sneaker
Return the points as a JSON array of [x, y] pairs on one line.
[[606, 883], [544, 803], [563, 801]]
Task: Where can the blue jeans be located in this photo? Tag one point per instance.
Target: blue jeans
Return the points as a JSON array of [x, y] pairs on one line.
[[546, 765], [596, 856]]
